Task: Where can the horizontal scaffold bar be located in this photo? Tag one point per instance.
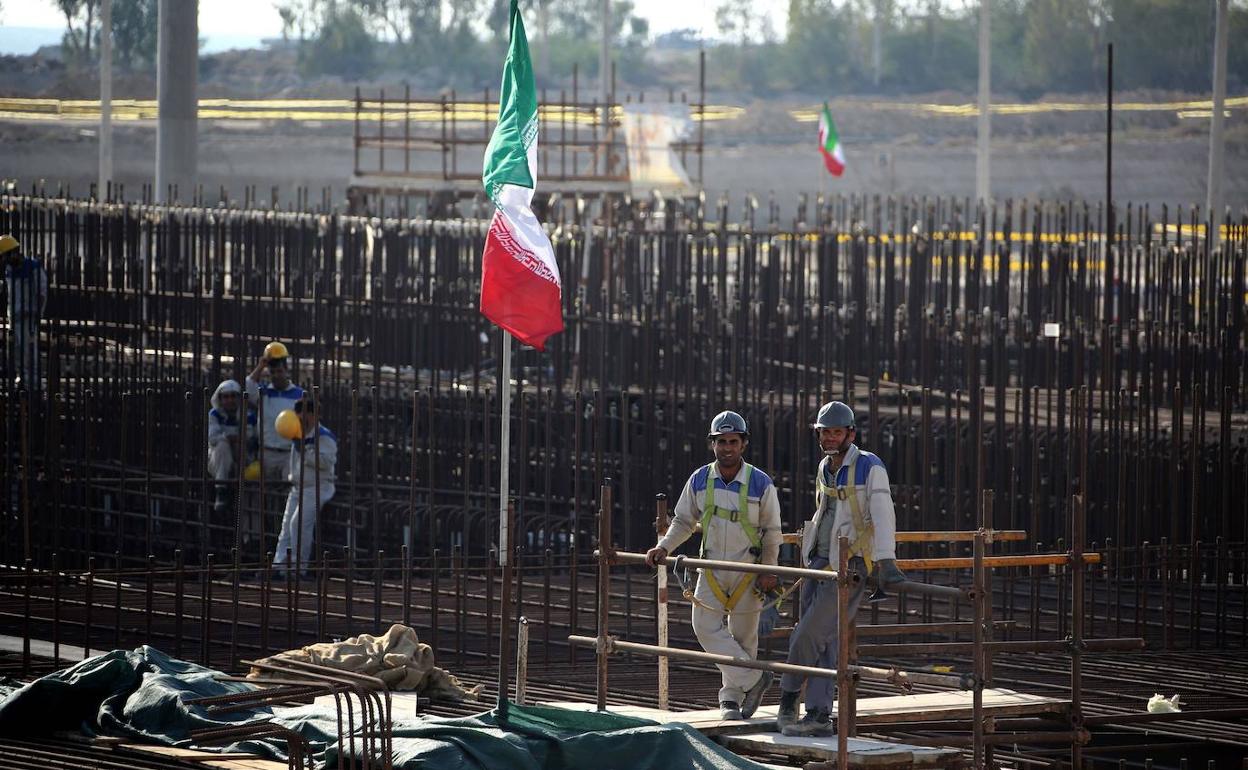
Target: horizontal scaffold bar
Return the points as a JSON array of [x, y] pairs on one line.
[[625, 557], [903, 679]]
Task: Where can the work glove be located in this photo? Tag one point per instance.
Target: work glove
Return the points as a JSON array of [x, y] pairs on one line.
[[769, 618], [887, 572]]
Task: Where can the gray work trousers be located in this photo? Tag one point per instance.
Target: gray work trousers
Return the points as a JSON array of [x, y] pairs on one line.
[[24, 358], [816, 638]]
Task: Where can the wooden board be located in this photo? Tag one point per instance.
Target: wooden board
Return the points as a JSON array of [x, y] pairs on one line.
[[214, 759], [186, 755], [952, 705], [255, 763], [863, 752]]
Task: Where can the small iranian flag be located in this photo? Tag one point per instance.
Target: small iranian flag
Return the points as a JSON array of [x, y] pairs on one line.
[[520, 288], [830, 143]]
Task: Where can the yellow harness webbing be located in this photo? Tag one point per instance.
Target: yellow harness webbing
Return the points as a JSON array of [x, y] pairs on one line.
[[742, 517], [865, 530]]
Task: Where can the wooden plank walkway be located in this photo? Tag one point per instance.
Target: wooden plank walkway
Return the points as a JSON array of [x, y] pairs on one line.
[[943, 706]]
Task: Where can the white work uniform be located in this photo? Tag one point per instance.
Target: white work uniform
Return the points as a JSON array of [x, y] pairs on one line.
[[221, 426], [875, 500], [306, 494], [270, 402], [726, 540]]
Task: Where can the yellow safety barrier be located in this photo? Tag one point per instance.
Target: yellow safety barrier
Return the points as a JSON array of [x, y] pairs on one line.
[[1186, 109], [417, 111]]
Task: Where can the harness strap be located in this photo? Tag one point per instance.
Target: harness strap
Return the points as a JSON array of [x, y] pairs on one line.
[[742, 517], [865, 529]]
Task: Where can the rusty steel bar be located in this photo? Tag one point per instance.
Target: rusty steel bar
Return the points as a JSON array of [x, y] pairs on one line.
[[660, 605], [604, 554], [846, 702]]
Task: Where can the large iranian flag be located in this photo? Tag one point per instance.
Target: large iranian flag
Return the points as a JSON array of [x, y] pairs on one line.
[[830, 143], [520, 286]]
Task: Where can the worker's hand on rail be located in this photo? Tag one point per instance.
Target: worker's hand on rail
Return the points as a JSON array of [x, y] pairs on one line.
[[766, 583], [887, 572], [654, 554]]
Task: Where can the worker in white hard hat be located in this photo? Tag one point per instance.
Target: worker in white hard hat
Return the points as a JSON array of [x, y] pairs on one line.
[[312, 456], [231, 433], [853, 500], [27, 285], [270, 396], [739, 511]]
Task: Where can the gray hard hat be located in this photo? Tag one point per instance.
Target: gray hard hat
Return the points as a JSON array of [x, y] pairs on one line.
[[834, 414], [728, 422]]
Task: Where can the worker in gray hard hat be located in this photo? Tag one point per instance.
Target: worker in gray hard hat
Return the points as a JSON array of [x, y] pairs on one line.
[[26, 283], [853, 500], [739, 511]]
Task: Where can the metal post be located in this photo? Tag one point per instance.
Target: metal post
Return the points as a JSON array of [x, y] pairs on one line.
[[177, 91], [660, 526], [106, 100], [983, 152], [504, 631], [1077, 569], [522, 658], [1213, 202], [977, 696], [1109, 144], [604, 62], [605, 552], [504, 454], [844, 703]]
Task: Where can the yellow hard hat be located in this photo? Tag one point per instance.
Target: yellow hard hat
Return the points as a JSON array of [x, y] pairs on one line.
[[288, 425], [252, 471], [275, 350], [8, 243]]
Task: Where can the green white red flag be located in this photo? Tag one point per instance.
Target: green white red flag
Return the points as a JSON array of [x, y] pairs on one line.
[[520, 285], [830, 143]]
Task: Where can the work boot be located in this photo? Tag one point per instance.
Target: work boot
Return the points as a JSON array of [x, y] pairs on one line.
[[729, 710], [787, 713], [817, 722], [754, 695]]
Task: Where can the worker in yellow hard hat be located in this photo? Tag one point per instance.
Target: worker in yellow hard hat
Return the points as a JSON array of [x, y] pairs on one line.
[[231, 437], [27, 287], [313, 451], [271, 395]]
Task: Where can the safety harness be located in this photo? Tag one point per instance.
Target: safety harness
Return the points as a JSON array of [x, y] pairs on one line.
[[866, 530], [740, 516]]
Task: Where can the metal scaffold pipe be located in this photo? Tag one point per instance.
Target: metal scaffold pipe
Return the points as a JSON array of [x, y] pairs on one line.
[[903, 679]]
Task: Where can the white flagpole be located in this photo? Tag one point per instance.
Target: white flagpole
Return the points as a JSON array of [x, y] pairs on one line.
[[504, 465]]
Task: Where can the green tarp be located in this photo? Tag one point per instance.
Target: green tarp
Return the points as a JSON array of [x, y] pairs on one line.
[[139, 695]]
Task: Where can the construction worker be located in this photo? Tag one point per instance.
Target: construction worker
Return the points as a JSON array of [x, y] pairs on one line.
[[739, 511], [231, 436], [27, 285], [853, 500], [313, 453], [271, 398]]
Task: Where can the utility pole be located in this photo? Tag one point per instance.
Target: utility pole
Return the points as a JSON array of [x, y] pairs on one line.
[[177, 91], [604, 85], [106, 100], [876, 42], [983, 152], [1213, 203]]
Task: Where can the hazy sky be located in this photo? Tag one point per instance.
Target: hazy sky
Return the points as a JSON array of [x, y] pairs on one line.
[[255, 19]]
